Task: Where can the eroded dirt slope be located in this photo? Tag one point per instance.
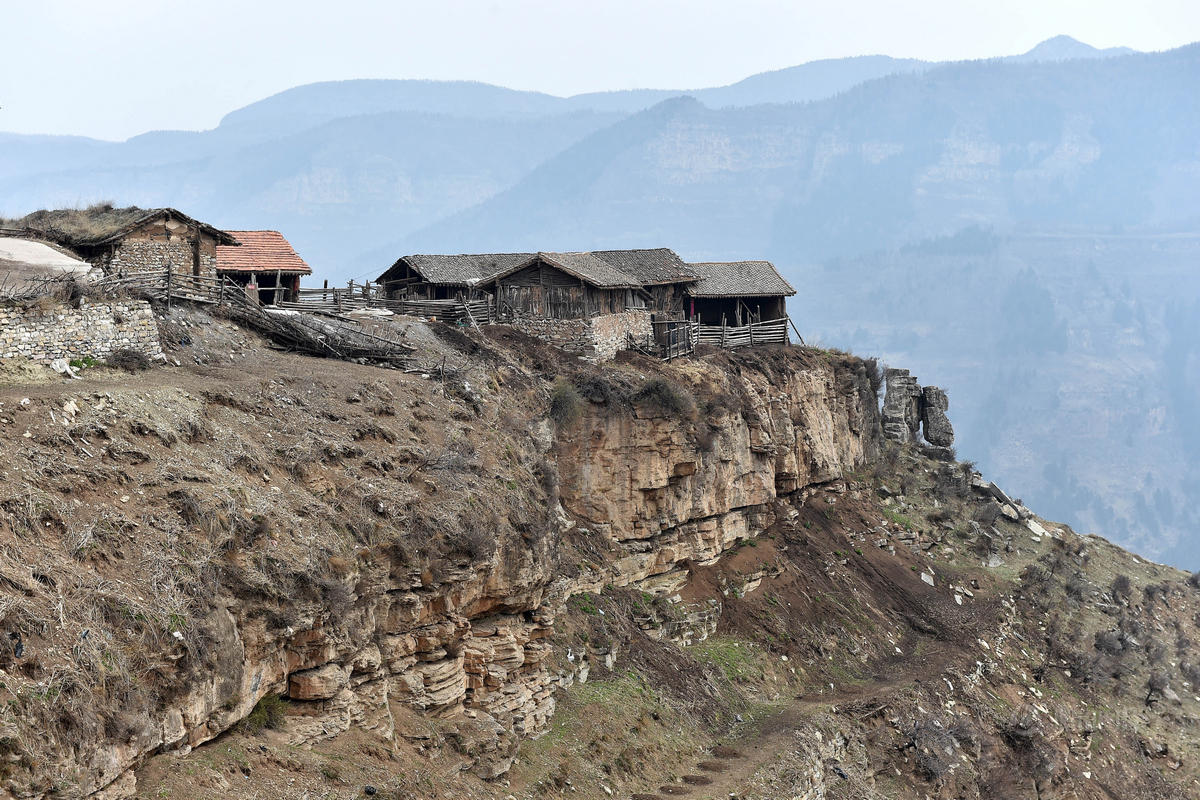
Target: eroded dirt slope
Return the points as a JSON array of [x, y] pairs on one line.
[[263, 575]]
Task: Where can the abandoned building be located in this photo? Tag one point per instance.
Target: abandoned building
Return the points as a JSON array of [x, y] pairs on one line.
[[737, 293], [444, 277], [131, 239], [566, 286], [660, 272], [264, 262]]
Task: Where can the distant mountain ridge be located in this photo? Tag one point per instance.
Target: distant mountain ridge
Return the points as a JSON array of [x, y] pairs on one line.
[[917, 154], [1063, 48]]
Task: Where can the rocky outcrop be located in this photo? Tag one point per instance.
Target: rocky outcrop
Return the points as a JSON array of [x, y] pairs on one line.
[[934, 422], [462, 652], [910, 411], [901, 406]]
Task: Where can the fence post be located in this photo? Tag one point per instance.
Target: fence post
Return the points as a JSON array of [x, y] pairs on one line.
[[722, 330], [752, 334], [168, 288]]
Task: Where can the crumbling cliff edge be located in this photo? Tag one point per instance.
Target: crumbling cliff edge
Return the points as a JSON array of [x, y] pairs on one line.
[[377, 549], [521, 574]]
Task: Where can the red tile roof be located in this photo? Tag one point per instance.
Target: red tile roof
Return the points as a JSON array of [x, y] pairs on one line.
[[260, 251]]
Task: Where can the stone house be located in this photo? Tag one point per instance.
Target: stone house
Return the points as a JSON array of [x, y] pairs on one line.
[[131, 239], [264, 259], [737, 293]]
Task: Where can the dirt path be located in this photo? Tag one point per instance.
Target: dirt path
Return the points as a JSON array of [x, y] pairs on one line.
[[732, 766]]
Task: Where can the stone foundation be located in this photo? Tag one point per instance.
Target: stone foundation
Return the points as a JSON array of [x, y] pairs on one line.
[[597, 339], [93, 329]]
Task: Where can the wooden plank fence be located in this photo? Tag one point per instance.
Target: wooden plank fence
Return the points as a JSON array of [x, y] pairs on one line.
[[307, 333], [773, 331], [343, 300], [674, 338]]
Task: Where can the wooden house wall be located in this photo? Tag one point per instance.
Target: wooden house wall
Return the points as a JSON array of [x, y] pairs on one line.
[[541, 290], [403, 282], [670, 300]]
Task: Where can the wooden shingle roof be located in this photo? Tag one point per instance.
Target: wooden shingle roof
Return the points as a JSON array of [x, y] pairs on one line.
[[464, 269], [260, 251], [587, 267], [738, 279], [652, 267]]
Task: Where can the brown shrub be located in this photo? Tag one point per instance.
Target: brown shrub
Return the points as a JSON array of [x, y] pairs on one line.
[[128, 359]]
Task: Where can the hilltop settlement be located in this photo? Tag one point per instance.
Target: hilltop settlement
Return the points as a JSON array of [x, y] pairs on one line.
[[591, 304], [581, 525]]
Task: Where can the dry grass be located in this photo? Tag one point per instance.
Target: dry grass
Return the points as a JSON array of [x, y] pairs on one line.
[[79, 225]]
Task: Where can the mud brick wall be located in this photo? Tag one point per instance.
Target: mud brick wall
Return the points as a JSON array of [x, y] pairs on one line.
[[44, 333]]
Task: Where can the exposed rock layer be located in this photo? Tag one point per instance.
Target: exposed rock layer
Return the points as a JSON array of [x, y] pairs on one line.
[[401, 650]]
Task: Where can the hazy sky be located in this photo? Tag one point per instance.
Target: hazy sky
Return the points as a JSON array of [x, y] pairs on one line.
[[115, 68]]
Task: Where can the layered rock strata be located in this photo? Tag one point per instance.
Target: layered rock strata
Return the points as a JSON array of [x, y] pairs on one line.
[[466, 654], [910, 411]]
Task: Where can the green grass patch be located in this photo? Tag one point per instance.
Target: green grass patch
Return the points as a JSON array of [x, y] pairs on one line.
[[268, 712], [736, 661], [899, 519]]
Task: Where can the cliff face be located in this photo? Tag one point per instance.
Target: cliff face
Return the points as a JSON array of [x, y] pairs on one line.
[[388, 559], [664, 490]]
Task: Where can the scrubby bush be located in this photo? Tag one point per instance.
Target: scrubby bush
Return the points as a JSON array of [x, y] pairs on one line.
[[1156, 684], [128, 359], [934, 749], [1109, 643], [666, 397], [874, 376], [565, 403], [269, 712], [1122, 586], [599, 390], [1151, 591], [1021, 730]]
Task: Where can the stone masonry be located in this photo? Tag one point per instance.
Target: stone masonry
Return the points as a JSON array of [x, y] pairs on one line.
[[596, 339], [143, 254], [908, 408], [93, 329]]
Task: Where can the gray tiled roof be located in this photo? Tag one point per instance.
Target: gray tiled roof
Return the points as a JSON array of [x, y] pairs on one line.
[[465, 269], [592, 269], [739, 279], [649, 267]]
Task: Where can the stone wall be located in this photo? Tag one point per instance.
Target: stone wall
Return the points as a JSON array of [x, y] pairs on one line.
[[158, 244], [143, 254], [596, 339], [93, 329], [611, 332]]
